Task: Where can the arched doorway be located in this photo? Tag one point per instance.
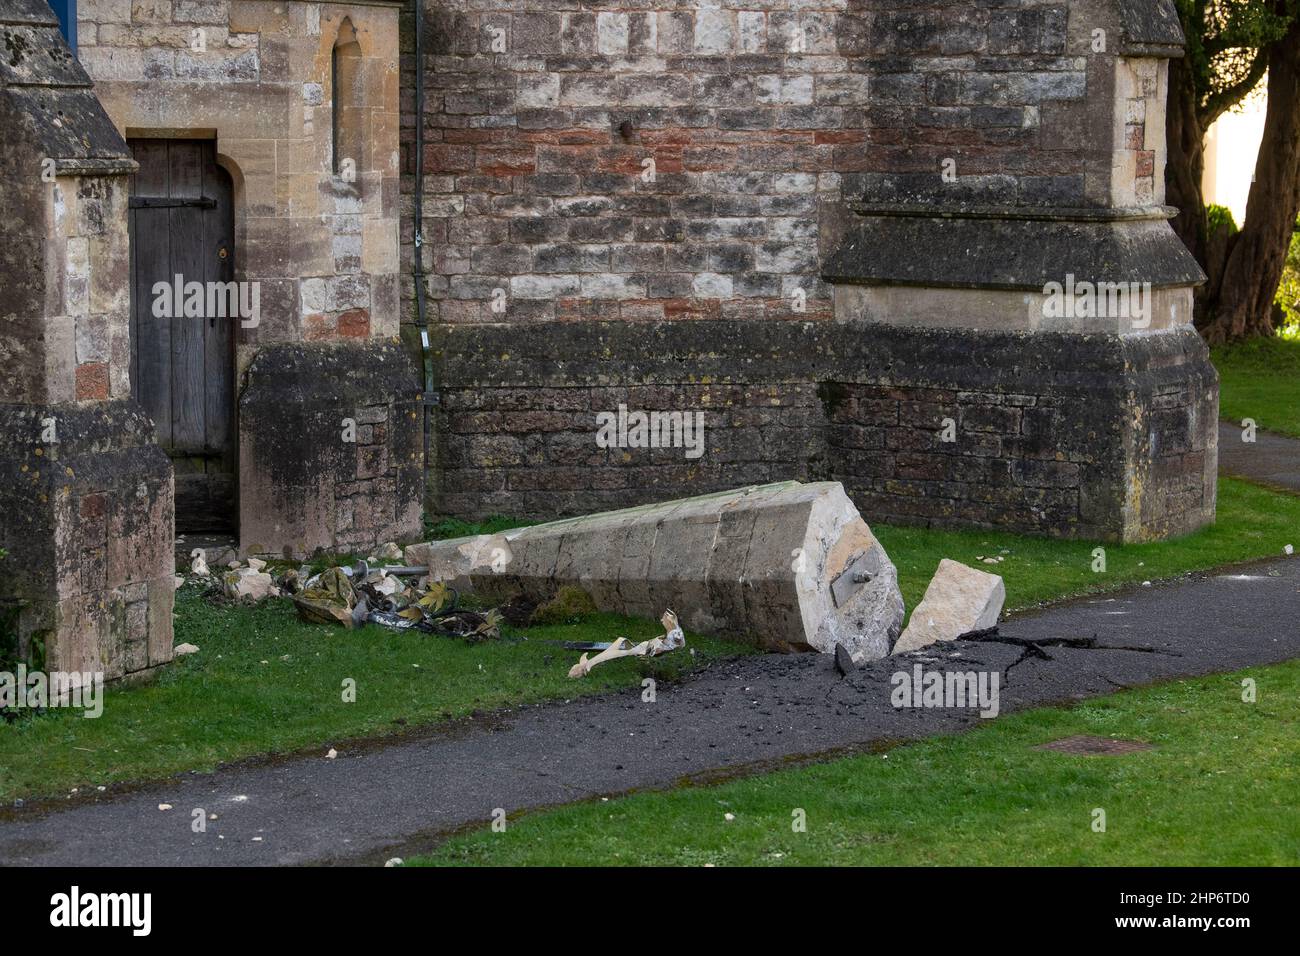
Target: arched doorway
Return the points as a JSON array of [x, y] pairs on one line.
[[182, 349]]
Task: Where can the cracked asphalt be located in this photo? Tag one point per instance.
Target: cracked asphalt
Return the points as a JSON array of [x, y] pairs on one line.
[[745, 714]]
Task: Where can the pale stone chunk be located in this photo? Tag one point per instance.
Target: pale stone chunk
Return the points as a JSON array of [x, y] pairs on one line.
[[958, 599]]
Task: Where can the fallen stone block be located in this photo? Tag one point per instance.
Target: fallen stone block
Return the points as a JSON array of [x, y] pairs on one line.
[[787, 566], [957, 600], [456, 560]]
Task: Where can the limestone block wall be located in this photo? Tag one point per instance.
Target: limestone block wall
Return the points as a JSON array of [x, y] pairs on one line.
[[886, 189], [543, 117], [330, 444], [86, 507], [302, 99], [1096, 436], [525, 444], [258, 76], [86, 495], [88, 527], [87, 290]]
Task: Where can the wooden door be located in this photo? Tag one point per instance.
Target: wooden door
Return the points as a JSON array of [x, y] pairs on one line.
[[182, 367]]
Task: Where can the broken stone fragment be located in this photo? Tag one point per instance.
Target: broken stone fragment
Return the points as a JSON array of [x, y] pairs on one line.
[[390, 552], [388, 585], [180, 650], [958, 599], [454, 562], [248, 584], [786, 566], [199, 564]]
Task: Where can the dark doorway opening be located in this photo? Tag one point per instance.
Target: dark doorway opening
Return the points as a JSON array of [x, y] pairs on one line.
[[182, 363]]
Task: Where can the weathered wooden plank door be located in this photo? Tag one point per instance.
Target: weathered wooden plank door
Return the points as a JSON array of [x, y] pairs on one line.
[[182, 367]]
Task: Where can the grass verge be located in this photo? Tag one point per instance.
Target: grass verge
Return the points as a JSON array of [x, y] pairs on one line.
[[1260, 379], [1218, 789], [266, 683], [1252, 522]]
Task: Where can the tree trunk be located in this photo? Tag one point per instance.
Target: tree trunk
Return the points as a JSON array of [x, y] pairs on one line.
[[1254, 265], [1185, 163]]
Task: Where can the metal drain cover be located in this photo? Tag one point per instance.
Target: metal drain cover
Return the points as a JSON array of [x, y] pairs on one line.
[[1087, 746]]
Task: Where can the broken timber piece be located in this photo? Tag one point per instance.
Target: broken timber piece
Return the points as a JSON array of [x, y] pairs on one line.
[[958, 600], [620, 648], [671, 641], [786, 566]]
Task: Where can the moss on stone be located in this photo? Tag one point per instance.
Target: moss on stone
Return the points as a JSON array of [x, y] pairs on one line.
[[569, 606]]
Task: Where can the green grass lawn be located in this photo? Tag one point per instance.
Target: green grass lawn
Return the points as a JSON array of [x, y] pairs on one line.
[[264, 682], [1251, 522], [1218, 789], [1260, 379]]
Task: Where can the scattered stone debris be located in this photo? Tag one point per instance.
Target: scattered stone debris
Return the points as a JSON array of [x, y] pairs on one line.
[[248, 584], [199, 564], [290, 581], [958, 599], [180, 650], [360, 595], [789, 566]]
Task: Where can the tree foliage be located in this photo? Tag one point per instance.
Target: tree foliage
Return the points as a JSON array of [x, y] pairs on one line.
[[1232, 48], [1227, 48]]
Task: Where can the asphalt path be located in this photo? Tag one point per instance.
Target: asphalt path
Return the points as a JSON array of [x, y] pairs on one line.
[[395, 797]]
